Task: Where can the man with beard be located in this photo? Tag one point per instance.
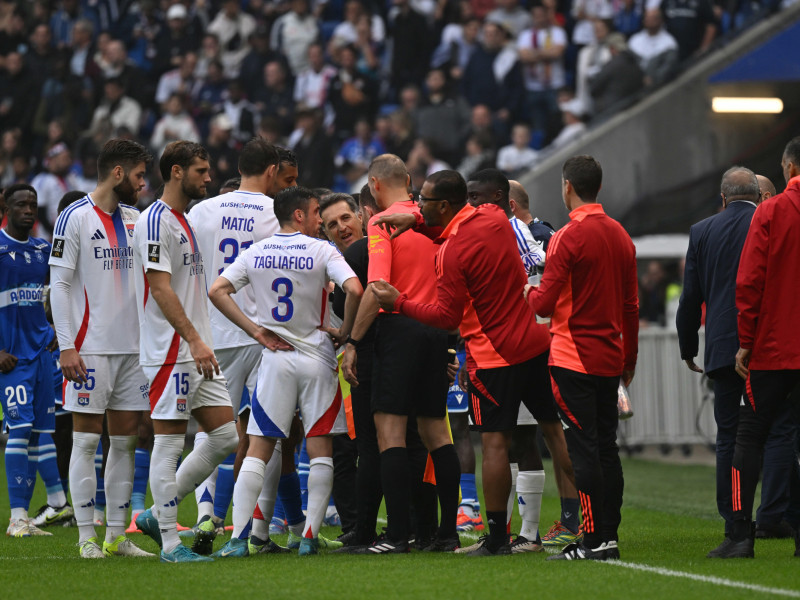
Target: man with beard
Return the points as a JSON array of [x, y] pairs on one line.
[[175, 349], [92, 283]]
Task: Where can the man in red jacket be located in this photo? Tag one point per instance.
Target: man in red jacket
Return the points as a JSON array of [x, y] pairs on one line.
[[589, 290], [769, 353]]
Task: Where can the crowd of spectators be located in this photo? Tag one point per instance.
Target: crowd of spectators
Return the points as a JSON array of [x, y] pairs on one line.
[[442, 83]]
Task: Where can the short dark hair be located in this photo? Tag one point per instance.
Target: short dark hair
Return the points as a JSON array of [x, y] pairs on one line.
[[449, 185], [181, 153], [18, 187], [69, 198], [233, 182], [494, 177], [289, 200], [286, 156], [792, 151], [257, 156], [321, 192], [365, 198], [124, 153], [332, 199], [585, 174]]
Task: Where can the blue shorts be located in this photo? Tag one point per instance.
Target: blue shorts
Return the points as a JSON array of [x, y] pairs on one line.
[[457, 398], [26, 394]]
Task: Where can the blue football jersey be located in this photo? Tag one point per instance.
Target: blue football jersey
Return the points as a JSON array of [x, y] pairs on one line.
[[24, 330]]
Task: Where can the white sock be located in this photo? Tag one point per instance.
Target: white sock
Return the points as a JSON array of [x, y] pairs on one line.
[[206, 489], [245, 493], [320, 484], [202, 461], [530, 486], [167, 449], [83, 481], [512, 495], [20, 513], [119, 484], [266, 499]]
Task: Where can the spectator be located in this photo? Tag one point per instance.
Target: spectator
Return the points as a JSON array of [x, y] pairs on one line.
[[445, 116], [209, 98], [480, 122], [274, 98], [232, 27], [355, 155], [423, 160], [9, 145], [410, 100], [572, 119], [251, 73], [181, 79], [369, 51], [351, 94], [590, 60], [655, 48], [480, 155], [86, 171], [411, 57], [174, 41], [144, 35], [518, 156], [53, 183], [293, 33], [457, 44], [137, 84], [401, 138], [494, 77], [12, 32], [345, 32], [586, 12], [40, 54], [314, 150], [619, 79], [241, 113], [511, 16], [628, 17], [116, 111], [222, 157], [691, 23], [652, 294], [176, 124], [211, 51], [63, 22], [311, 85], [19, 96], [541, 51], [64, 95], [82, 63]]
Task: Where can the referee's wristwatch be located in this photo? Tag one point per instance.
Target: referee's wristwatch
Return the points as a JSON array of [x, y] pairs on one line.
[[352, 342]]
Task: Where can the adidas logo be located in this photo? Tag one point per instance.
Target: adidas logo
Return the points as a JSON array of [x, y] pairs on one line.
[[183, 239], [98, 235]]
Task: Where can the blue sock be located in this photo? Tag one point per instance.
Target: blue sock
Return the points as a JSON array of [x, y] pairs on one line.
[[17, 466], [141, 473], [224, 493], [303, 465], [469, 491], [289, 494], [278, 512], [33, 455], [100, 497], [47, 465], [570, 508]]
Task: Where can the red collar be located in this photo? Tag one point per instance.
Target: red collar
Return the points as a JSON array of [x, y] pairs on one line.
[[793, 182], [452, 227], [583, 211]]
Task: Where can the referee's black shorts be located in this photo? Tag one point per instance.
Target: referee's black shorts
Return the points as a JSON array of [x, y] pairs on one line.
[[495, 394], [409, 375]]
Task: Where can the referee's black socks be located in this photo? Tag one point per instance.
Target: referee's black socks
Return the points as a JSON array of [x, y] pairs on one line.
[[447, 469], [395, 480]]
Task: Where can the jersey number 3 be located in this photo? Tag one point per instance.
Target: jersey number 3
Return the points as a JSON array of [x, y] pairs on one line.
[[283, 298]]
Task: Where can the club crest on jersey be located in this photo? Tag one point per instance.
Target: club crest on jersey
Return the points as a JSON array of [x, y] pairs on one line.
[[153, 253], [27, 257], [83, 399], [39, 256], [58, 247], [129, 228], [181, 404]]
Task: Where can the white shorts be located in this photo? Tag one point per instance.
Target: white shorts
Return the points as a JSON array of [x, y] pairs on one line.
[[176, 390], [291, 380], [524, 417], [240, 366], [114, 382]]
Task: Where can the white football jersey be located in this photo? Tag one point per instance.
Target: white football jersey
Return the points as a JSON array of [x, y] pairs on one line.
[[97, 247], [226, 226], [165, 241], [530, 251], [289, 274]]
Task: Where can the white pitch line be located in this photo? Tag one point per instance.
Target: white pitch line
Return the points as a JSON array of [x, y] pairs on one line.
[[706, 579]]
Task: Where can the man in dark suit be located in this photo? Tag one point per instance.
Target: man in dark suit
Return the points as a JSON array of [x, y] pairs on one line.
[[712, 261]]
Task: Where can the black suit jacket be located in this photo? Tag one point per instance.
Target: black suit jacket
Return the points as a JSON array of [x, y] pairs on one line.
[[712, 261]]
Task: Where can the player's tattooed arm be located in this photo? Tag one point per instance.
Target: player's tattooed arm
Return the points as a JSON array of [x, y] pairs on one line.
[[161, 290]]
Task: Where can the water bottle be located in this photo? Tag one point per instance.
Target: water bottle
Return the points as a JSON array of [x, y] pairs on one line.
[[624, 408]]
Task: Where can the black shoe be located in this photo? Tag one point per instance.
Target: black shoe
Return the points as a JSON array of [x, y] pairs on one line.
[[741, 549], [257, 546], [612, 551], [447, 545], [484, 550], [721, 549], [384, 546], [780, 530], [577, 551], [348, 539], [203, 543]]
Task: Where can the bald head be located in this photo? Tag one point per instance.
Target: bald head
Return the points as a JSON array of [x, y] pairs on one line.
[[518, 194], [739, 183], [390, 170], [765, 187]]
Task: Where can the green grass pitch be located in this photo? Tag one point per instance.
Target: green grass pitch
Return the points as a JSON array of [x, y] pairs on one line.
[[669, 523]]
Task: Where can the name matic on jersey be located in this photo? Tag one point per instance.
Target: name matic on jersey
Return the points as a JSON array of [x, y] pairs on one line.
[[238, 223], [295, 263]]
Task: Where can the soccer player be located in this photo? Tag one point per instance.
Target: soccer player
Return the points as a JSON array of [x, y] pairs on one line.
[[590, 291], [226, 226], [26, 339], [175, 348], [410, 372], [290, 272], [93, 302], [479, 279]]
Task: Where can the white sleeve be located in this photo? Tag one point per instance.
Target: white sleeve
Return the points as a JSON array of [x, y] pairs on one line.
[[60, 294], [66, 241], [154, 248], [237, 272], [338, 269]]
